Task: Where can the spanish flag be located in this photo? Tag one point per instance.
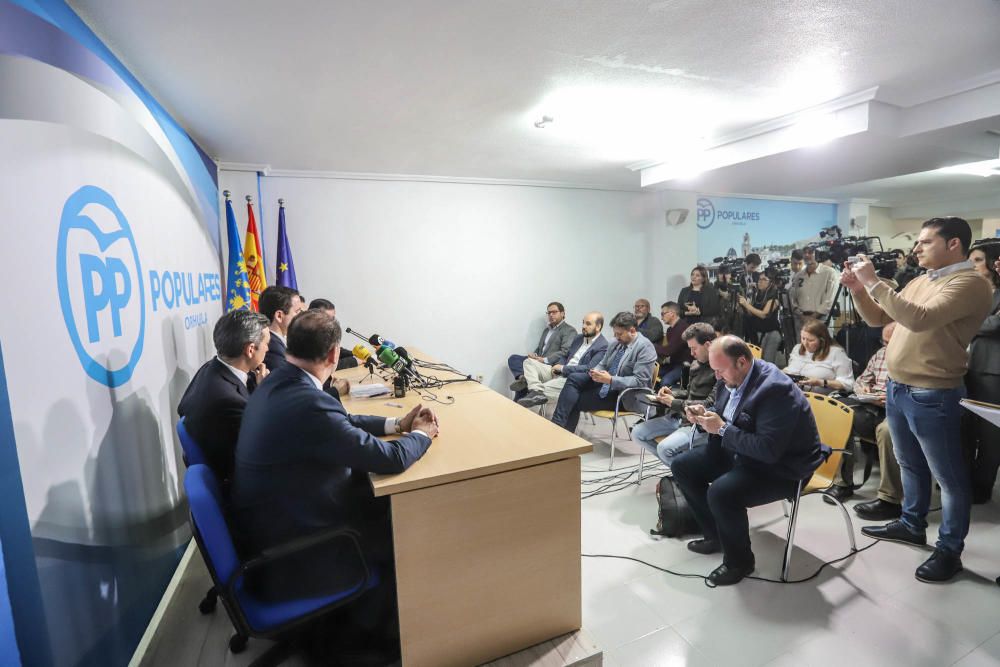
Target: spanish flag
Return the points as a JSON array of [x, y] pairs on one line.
[[253, 258]]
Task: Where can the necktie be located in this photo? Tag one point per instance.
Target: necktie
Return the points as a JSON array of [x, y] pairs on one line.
[[251, 382], [616, 359]]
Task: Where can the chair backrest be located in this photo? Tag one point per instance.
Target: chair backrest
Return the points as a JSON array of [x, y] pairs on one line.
[[834, 420], [206, 511], [656, 374], [192, 450], [755, 350]]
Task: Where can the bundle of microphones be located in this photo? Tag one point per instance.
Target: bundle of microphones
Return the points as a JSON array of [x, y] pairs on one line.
[[398, 360]]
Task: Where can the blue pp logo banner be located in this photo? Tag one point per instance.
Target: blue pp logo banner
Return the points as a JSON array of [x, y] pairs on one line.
[[100, 287], [705, 213]]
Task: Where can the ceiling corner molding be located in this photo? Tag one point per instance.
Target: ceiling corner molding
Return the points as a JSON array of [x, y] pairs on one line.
[[428, 178], [262, 169]]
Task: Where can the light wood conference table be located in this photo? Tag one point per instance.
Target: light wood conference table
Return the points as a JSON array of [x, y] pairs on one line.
[[486, 527]]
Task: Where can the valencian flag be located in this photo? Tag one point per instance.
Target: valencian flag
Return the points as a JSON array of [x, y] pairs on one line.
[[285, 273], [237, 285], [253, 257]]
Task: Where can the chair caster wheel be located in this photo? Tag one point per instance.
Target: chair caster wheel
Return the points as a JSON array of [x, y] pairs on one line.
[[237, 643]]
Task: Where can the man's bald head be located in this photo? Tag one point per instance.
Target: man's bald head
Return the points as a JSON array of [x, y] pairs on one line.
[[592, 324]]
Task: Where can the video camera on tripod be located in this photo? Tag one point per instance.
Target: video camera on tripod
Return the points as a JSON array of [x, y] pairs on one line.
[[837, 248]]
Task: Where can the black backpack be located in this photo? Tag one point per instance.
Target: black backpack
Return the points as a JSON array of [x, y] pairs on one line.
[[675, 518]]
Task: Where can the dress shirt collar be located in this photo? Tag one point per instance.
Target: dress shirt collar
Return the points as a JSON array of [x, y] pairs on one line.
[[934, 274], [240, 375]]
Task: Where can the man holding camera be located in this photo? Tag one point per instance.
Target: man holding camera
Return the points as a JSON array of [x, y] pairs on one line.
[[812, 290], [937, 315]]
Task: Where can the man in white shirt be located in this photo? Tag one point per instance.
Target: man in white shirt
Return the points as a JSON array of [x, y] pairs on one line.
[[812, 290], [544, 382]]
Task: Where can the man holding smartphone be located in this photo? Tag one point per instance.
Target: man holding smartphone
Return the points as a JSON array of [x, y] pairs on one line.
[[762, 443]]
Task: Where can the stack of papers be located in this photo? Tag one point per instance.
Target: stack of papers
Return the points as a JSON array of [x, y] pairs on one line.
[[369, 390], [987, 411]]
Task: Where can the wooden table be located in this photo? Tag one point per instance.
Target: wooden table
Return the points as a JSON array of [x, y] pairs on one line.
[[486, 528]]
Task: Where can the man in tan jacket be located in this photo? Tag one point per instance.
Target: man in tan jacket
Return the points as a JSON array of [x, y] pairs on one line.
[[937, 313]]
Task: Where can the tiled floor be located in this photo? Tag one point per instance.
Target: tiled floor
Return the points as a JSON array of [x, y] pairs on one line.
[[866, 610]]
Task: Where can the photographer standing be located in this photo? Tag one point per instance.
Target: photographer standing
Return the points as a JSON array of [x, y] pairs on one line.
[[937, 313], [812, 290]]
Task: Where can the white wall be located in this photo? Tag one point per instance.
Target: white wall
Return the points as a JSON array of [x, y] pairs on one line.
[[905, 230], [464, 271]]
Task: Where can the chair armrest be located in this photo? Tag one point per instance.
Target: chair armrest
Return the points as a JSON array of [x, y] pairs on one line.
[[281, 551]]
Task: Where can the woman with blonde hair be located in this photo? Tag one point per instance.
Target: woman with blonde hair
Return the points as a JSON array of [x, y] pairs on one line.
[[820, 364]]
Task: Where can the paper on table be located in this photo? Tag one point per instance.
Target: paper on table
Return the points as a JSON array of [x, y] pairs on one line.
[[988, 411], [369, 390]]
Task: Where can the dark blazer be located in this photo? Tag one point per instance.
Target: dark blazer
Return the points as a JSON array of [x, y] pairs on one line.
[[590, 358], [559, 342], [984, 351], [652, 328], [301, 466], [213, 406], [773, 428], [276, 352], [711, 306]]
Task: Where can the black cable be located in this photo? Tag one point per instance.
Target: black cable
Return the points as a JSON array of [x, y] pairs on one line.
[[689, 575]]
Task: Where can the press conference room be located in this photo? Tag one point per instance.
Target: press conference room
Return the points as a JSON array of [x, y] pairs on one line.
[[511, 334]]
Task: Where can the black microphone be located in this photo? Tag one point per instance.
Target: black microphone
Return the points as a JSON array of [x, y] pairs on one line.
[[355, 333]]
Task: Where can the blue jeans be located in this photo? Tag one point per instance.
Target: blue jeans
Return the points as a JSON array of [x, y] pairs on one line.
[[671, 376], [677, 439], [926, 436], [515, 363]]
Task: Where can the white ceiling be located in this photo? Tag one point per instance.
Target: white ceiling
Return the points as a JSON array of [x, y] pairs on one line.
[[449, 88]]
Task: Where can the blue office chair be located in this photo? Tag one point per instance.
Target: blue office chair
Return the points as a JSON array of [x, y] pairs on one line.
[[250, 616], [193, 454]]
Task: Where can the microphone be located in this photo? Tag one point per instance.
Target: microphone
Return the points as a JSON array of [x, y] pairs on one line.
[[404, 355], [355, 333], [377, 341], [389, 357], [362, 353]]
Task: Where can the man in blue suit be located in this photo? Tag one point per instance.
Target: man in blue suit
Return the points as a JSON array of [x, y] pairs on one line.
[[544, 382], [279, 305], [213, 404], [302, 465], [762, 442], [627, 364]]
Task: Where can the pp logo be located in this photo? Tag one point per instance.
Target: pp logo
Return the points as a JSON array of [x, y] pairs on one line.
[[706, 213], [100, 286]]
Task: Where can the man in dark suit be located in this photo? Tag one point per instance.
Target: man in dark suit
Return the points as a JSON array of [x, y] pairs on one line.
[[302, 463], [646, 323], [279, 304], [627, 364], [551, 348], [347, 359], [213, 404], [545, 381], [762, 442]]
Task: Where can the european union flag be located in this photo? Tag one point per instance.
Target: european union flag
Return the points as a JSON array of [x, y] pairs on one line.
[[286, 267], [237, 282]]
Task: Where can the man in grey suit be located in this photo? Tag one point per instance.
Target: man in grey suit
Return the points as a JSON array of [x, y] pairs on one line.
[[551, 349], [627, 364]]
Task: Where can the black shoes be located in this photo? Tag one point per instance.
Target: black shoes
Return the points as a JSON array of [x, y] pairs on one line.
[[878, 510], [841, 493], [534, 399], [704, 546], [895, 531], [520, 384], [940, 567], [727, 575]]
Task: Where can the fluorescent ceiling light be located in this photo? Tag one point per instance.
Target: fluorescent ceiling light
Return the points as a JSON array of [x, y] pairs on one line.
[[984, 168]]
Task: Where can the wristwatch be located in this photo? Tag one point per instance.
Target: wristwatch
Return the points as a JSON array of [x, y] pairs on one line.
[[722, 431]]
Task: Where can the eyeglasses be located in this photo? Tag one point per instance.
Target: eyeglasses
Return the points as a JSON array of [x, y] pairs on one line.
[[552, 312]]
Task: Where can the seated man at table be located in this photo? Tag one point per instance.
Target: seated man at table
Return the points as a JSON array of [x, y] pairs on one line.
[[627, 364], [347, 359], [762, 443], [646, 323], [697, 338], [545, 382], [302, 465], [213, 404], [551, 349]]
